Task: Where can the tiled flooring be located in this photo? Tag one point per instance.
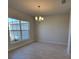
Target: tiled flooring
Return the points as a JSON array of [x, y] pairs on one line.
[[40, 51]]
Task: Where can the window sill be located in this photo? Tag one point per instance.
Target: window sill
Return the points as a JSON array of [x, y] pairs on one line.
[[14, 42]]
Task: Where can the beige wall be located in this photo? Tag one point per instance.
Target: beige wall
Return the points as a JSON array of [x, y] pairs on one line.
[[54, 29], [19, 15]]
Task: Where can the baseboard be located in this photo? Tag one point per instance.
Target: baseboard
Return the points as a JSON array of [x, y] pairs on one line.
[[54, 43]]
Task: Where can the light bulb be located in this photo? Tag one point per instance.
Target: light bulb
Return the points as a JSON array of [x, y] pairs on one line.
[[42, 18], [39, 18], [36, 18]]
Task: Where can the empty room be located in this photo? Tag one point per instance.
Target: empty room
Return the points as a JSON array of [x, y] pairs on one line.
[[39, 29]]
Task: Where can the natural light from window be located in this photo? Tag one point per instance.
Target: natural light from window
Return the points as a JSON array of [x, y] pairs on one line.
[[18, 30]]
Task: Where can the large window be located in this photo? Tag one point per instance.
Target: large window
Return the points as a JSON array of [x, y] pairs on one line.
[[18, 30]]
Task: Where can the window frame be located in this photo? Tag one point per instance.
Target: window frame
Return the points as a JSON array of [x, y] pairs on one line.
[[12, 42]]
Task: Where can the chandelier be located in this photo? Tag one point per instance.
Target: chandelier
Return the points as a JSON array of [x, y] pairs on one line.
[[39, 18]]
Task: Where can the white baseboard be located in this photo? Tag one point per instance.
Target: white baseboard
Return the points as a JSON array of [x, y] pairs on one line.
[[59, 43]]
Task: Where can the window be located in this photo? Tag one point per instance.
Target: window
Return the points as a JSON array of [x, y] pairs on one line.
[[25, 30], [18, 30]]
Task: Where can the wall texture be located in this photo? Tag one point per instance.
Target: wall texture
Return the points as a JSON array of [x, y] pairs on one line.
[[54, 29], [21, 16]]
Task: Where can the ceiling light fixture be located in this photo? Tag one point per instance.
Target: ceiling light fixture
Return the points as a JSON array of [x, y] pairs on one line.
[[39, 18]]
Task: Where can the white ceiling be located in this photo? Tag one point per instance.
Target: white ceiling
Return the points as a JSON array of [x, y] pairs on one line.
[[47, 7]]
